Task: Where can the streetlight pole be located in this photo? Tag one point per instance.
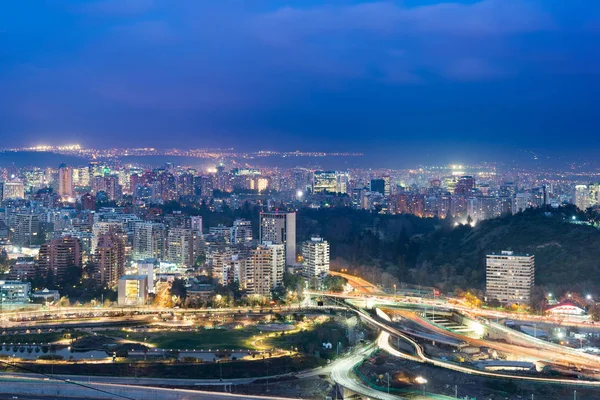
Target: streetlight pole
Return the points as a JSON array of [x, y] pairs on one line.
[[388, 379]]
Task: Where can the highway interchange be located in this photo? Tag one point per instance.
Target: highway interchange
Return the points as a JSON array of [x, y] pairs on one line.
[[364, 295]]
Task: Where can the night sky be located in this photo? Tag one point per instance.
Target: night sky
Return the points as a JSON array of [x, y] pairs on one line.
[[389, 77]]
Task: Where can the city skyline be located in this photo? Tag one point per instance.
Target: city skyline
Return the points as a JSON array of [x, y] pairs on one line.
[[375, 77]]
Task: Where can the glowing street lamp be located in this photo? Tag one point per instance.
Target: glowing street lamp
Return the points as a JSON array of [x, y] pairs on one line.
[[421, 381]]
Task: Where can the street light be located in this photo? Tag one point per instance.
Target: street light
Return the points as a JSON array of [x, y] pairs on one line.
[[421, 381], [588, 297], [388, 379]]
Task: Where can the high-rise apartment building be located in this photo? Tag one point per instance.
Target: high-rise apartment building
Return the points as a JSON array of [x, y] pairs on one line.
[[280, 228], [149, 240], [26, 229], [510, 277], [59, 254], [263, 270], [315, 258], [101, 228], [109, 258], [241, 232], [465, 185], [180, 246], [219, 261], [196, 224], [581, 197]]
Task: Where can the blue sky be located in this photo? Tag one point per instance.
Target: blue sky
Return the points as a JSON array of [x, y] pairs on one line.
[[378, 76]]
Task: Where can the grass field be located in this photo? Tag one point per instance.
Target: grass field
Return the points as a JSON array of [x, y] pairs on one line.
[[311, 338], [32, 338], [201, 339]]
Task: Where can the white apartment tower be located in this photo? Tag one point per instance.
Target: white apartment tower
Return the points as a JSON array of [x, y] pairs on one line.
[[196, 223], [241, 232], [180, 246], [264, 269], [509, 277], [315, 258], [280, 228], [149, 240]]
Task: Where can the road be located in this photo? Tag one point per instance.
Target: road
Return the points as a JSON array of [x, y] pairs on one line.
[[420, 355], [343, 375], [359, 284], [558, 354], [38, 388]]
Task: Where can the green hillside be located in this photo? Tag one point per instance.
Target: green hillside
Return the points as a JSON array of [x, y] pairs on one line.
[[431, 251], [565, 253]]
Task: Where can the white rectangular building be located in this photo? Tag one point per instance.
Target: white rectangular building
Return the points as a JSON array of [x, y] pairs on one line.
[[315, 258], [133, 290], [510, 277], [280, 228]]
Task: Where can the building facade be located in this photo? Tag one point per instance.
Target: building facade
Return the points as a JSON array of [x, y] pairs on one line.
[[315, 258], [59, 254], [510, 277], [280, 228]]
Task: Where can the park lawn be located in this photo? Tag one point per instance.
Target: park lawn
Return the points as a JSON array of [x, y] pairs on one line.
[[311, 338], [32, 337], [201, 339]]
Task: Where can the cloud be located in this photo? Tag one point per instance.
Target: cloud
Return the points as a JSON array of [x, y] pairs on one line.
[[473, 69], [487, 17], [438, 38], [116, 7]]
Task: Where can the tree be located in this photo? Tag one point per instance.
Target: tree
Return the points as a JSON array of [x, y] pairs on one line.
[[50, 281], [335, 283], [179, 289]]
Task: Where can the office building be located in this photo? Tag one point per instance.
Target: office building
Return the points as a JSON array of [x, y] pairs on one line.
[[148, 269], [581, 197], [65, 181], [59, 254], [325, 182], [13, 190], [378, 186], [14, 292], [315, 258], [280, 228], [132, 290], [343, 182], [509, 277], [149, 240]]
